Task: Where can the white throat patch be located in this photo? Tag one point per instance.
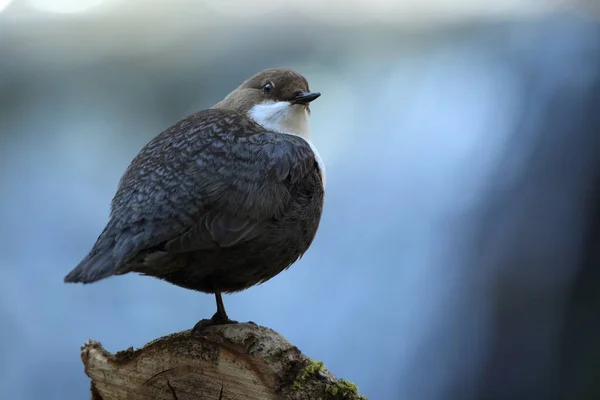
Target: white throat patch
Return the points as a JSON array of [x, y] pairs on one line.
[[283, 117]]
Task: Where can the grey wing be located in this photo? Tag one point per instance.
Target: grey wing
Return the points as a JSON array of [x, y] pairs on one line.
[[210, 192], [253, 182]]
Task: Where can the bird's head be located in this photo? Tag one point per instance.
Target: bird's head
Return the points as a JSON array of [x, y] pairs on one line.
[[278, 99]]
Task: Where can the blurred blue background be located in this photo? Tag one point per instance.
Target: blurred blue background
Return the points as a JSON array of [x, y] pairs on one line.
[[458, 253]]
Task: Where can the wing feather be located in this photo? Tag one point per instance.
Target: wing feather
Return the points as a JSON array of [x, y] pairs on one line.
[[207, 182]]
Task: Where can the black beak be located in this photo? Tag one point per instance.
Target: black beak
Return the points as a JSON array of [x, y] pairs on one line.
[[305, 97]]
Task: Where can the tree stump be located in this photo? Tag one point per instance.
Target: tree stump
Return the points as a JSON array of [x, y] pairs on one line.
[[223, 362]]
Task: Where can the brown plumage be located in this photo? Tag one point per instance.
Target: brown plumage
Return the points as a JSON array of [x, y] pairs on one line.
[[223, 200]]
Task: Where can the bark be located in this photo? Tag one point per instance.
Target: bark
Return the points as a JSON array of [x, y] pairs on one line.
[[227, 362]]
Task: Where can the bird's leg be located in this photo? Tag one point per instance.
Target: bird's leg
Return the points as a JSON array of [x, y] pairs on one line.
[[220, 317]]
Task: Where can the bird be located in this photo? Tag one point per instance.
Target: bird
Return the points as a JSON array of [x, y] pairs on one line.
[[224, 199]]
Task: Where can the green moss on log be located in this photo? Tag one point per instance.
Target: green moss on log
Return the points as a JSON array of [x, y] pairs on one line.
[[339, 390]]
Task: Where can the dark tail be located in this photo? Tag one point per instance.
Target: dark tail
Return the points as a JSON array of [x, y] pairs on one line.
[[100, 263]]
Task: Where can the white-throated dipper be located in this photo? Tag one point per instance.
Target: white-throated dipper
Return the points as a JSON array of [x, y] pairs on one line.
[[225, 199]]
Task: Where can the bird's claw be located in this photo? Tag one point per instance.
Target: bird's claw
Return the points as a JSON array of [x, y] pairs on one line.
[[217, 319]]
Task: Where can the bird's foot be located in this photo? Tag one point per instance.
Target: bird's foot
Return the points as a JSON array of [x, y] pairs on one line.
[[217, 319]]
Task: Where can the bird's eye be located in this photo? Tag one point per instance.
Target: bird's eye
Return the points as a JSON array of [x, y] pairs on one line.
[[267, 87]]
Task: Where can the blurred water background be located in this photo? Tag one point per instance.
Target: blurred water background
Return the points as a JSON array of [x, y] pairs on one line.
[[458, 254]]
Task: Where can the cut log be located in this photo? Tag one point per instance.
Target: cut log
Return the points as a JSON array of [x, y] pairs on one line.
[[224, 362]]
